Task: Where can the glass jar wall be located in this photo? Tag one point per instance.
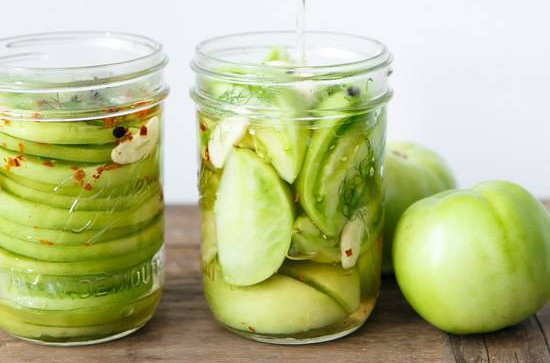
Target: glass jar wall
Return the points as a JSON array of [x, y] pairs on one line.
[[81, 207], [290, 182]]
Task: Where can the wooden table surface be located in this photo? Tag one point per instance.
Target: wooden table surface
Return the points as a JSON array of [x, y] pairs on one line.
[[183, 329]]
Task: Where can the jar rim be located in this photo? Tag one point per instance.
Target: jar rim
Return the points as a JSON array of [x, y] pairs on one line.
[[207, 62], [131, 56]]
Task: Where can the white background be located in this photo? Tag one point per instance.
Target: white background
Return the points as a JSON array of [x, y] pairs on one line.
[[471, 78]]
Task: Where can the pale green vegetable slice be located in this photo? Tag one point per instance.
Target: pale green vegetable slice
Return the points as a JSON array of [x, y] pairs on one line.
[[340, 284], [278, 305], [283, 140], [309, 243], [254, 217], [227, 133]]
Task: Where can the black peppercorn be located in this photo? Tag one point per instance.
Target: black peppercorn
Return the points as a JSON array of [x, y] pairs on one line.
[[119, 132], [353, 91]]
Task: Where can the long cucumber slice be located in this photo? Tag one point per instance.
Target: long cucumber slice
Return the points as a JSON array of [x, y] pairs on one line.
[[31, 214], [77, 153], [10, 260], [67, 174], [49, 251], [254, 217]]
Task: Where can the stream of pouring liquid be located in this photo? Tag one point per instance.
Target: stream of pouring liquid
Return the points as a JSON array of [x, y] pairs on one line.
[[300, 32]]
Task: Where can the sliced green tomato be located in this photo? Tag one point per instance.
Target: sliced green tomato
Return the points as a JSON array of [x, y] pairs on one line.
[[340, 284], [66, 174], [226, 134], [350, 242], [77, 153], [308, 243], [278, 305], [254, 217], [283, 140], [334, 178], [49, 251], [17, 210], [80, 203]]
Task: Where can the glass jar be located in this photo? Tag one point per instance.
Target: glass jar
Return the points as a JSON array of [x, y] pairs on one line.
[[81, 207], [290, 182]]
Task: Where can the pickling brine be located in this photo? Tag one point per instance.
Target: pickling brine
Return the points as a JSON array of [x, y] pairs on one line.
[[290, 184], [81, 207]]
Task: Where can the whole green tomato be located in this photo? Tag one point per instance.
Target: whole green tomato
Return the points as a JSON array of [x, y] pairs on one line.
[[474, 260], [411, 172]]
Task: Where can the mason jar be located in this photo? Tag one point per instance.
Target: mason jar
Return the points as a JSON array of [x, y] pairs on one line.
[[81, 206], [290, 181]]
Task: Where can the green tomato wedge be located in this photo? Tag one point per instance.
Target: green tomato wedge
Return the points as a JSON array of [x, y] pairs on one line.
[[78, 153], [309, 243], [278, 305], [254, 217], [282, 139], [337, 170], [340, 284]]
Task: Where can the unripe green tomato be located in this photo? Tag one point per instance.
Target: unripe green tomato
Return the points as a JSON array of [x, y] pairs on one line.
[[474, 260], [411, 172]]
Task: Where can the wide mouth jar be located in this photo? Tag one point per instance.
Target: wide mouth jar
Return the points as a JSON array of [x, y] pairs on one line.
[[72, 76], [81, 203], [251, 59], [290, 181]]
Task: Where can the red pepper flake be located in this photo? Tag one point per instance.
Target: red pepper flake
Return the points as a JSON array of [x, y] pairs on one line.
[[12, 162], [349, 253], [100, 169], [87, 244], [112, 166], [202, 127], [74, 167], [21, 148], [129, 137], [46, 242], [35, 115], [19, 157], [301, 278], [48, 163], [251, 329], [143, 130], [206, 154], [79, 175], [88, 187]]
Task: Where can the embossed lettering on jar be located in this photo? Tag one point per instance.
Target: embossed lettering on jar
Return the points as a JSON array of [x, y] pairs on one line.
[[291, 182], [81, 207]]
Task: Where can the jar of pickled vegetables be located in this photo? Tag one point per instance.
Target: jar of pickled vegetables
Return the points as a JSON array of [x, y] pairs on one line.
[[290, 181], [81, 207]]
